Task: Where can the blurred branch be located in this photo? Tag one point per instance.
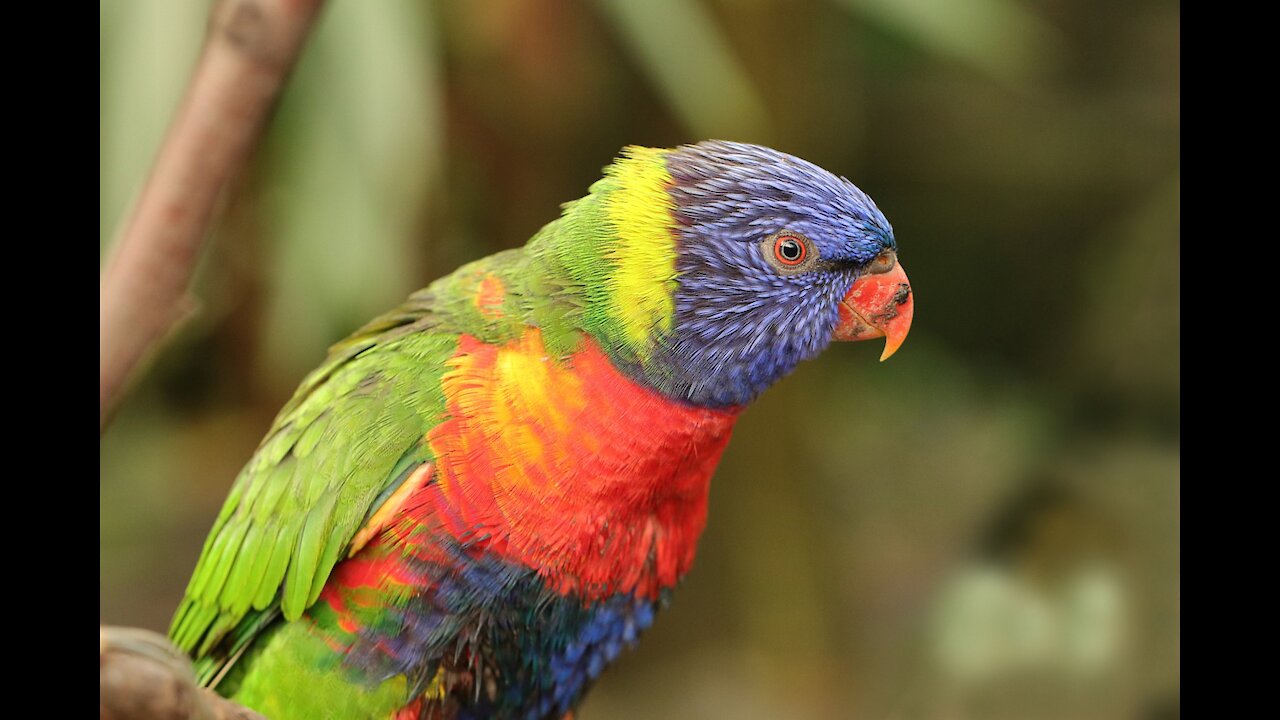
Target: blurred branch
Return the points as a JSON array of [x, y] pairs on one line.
[[249, 50], [143, 677]]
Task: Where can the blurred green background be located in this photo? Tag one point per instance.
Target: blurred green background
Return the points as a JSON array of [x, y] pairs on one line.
[[987, 526]]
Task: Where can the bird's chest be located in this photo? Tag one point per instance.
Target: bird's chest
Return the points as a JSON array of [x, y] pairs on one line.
[[569, 468]]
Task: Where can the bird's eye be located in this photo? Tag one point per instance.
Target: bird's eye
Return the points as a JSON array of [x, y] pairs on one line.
[[882, 263], [789, 250]]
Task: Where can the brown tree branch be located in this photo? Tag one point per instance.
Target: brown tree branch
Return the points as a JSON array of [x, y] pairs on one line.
[[250, 48], [142, 677]]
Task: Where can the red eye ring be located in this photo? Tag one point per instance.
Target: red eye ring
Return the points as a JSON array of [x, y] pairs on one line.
[[790, 250]]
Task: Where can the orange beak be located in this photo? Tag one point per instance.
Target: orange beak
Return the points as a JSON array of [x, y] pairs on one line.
[[878, 305]]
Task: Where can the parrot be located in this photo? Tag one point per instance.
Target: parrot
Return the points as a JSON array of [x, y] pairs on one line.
[[481, 498]]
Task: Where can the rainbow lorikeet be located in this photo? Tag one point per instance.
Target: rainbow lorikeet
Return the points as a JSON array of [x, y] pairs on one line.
[[484, 495]]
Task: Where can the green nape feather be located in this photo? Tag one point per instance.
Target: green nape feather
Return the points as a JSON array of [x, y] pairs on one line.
[[618, 245]]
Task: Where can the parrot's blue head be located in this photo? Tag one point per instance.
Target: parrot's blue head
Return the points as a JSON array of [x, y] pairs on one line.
[[775, 258]]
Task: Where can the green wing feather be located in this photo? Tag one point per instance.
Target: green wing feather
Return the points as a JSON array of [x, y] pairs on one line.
[[337, 448]]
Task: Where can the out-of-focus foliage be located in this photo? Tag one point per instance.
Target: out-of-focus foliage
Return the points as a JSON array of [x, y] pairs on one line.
[[985, 526]]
